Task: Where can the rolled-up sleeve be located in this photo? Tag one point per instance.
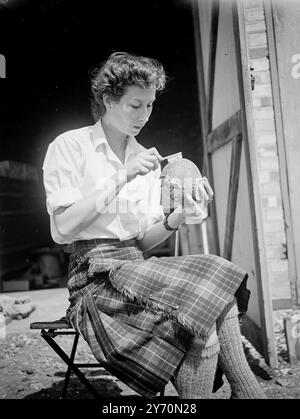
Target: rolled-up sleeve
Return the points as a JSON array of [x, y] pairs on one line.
[[62, 177]]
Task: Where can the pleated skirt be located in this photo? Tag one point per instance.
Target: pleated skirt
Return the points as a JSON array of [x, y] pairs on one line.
[[140, 315]]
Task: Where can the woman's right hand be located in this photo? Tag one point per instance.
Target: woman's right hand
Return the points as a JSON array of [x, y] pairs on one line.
[[143, 163]]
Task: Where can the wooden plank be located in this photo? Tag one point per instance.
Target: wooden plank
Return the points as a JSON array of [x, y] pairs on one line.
[[265, 307], [207, 164], [292, 334], [286, 199], [232, 195], [201, 80], [224, 133], [212, 61], [214, 29]]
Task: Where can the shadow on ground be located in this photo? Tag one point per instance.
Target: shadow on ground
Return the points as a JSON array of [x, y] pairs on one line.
[[106, 388], [77, 390]]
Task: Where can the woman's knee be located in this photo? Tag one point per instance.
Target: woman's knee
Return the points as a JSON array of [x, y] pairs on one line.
[[211, 339], [229, 311]]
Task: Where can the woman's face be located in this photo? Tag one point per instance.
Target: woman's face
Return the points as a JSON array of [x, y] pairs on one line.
[[133, 110]]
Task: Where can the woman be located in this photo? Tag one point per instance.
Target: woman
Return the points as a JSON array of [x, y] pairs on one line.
[[147, 320]]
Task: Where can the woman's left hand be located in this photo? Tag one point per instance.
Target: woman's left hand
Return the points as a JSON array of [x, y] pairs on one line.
[[203, 191], [193, 206], [190, 208]]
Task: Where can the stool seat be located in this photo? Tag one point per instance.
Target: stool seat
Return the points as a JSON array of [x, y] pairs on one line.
[[56, 324], [49, 331]]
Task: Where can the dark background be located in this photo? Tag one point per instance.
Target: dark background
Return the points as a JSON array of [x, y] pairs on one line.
[[50, 47]]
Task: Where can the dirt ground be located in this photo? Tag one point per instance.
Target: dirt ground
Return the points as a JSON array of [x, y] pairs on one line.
[[30, 369]]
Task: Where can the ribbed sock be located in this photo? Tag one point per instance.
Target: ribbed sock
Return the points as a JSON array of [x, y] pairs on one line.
[[232, 358], [195, 377]]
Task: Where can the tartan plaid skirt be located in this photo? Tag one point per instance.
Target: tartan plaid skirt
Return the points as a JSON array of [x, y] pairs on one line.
[[139, 315]]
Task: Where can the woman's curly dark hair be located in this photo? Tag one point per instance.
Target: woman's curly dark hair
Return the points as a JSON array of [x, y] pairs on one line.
[[120, 70]]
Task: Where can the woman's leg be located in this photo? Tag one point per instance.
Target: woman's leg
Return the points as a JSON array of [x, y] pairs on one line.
[[194, 378], [232, 358]]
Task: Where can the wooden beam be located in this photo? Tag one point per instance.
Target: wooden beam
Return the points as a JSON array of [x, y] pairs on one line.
[[292, 329], [236, 152], [224, 132], [207, 165], [286, 199], [201, 80], [214, 28], [212, 61], [261, 271]]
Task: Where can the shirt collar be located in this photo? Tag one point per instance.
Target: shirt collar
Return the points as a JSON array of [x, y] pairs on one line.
[[98, 137]]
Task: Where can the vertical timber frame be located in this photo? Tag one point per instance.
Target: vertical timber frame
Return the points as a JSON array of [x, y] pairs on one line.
[[295, 290], [229, 131], [238, 130], [206, 102], [265, 305]]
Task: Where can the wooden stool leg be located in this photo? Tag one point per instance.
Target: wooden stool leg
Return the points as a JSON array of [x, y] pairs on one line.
[[162, 393], [68, 373], [70, 363]]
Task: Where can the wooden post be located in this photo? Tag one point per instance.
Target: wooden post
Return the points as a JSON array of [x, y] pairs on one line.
[[207, 103], [236, 152], [238, 9], [282, 154], [292, 334], [176, 243]]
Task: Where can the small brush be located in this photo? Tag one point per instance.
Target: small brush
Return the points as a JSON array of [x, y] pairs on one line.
[[172, 157]]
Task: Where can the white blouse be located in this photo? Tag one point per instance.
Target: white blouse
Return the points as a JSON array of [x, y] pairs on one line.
[[79, 162]]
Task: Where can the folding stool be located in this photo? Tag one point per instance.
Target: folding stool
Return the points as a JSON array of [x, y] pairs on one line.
[[49, 331]]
